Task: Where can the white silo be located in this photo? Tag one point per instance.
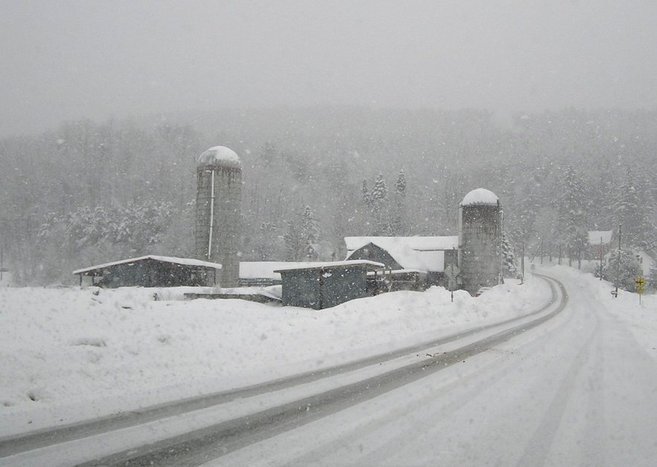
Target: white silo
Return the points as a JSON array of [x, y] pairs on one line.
[[218, 211]]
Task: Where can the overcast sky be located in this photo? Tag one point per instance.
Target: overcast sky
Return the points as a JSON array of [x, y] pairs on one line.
[[69, 59]]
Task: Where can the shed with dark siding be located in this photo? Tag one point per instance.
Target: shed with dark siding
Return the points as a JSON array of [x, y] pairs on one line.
[[326, 285], [152, 271]]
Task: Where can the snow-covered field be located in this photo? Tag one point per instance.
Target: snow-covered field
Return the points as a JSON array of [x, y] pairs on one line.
[[70, 354]]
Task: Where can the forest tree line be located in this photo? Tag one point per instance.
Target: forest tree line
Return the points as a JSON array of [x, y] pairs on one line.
[[91, 192]]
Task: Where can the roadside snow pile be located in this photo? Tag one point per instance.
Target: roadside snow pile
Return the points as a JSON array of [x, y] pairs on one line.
[[70, 354]]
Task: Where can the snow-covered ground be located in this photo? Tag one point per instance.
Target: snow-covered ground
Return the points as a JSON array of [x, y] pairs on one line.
[[71, 354], [640, 318], [580, 389]]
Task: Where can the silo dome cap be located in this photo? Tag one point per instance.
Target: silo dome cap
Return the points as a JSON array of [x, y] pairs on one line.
[[220, 156], [480, 197]]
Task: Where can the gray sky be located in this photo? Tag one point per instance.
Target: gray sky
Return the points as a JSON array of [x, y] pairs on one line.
[[70, 59]]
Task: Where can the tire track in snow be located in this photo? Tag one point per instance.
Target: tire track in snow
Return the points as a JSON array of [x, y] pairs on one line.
[[47, 437], [203, 445], [386, 446], [539, 446]]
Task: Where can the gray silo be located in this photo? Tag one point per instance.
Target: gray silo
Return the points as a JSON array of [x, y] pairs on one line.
[[218, 211], [480, 240]]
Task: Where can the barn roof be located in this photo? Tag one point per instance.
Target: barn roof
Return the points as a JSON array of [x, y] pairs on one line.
[[163, 259], [434, 243], [410, 259]]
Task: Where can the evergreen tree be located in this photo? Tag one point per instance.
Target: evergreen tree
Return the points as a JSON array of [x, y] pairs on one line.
[[367, 197], [265, 247], [380, 209], [309, 234], [293, 241], [652, 278], [302, 237], [572, 216], [624, 274], [509, 268], [633, 209], [398, 224]]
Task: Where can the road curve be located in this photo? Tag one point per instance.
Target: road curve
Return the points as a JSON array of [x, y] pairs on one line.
[[53, 436], [209, 443]]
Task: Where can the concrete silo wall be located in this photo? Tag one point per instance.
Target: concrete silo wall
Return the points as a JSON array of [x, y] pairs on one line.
[[481, 236], [221, 218]]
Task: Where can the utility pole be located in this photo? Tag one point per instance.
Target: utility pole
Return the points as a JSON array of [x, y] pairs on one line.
[[600, 251], [618, 268]]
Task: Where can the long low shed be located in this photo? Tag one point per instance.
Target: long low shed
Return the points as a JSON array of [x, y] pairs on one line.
[[152, 271], [324, 285]]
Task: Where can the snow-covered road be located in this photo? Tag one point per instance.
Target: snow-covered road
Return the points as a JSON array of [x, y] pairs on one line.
[[578, 390]]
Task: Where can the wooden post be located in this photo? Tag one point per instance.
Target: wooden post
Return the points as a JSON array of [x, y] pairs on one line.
[[522, 264], [600, 252]]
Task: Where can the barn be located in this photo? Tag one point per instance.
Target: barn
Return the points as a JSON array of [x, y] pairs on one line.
[[151, 271], [414, 262]]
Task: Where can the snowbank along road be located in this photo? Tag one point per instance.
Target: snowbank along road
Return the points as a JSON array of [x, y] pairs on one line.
[[199, 430]]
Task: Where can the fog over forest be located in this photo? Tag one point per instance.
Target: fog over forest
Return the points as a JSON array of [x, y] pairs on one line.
[[107, 105]]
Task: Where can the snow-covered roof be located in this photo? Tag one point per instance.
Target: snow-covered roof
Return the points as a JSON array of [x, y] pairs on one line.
[[414, 243], [410, 259], [265, 269], [600, 237], [364, 264], [164, 259], [421, 253], [221, 156], [480, 197]]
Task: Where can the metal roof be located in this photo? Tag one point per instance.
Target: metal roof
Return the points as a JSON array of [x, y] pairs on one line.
[[162, 259]]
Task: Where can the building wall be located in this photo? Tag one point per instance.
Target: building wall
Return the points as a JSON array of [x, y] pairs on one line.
[[226, 220], [315, 289], [480, 249], [341, 285], [301, 288]]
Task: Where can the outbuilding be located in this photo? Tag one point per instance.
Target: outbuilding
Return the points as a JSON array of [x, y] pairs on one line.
[[324, 285], [416, 262], [152, 271]]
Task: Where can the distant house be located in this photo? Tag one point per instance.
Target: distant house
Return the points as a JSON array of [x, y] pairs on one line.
[[600, 242], [325, 285], [151, 271], [412, 260]]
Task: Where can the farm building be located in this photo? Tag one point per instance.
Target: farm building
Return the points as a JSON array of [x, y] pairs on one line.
[[480, 240], [324, 285], [600, 242], [415, 262], [151, 271]]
